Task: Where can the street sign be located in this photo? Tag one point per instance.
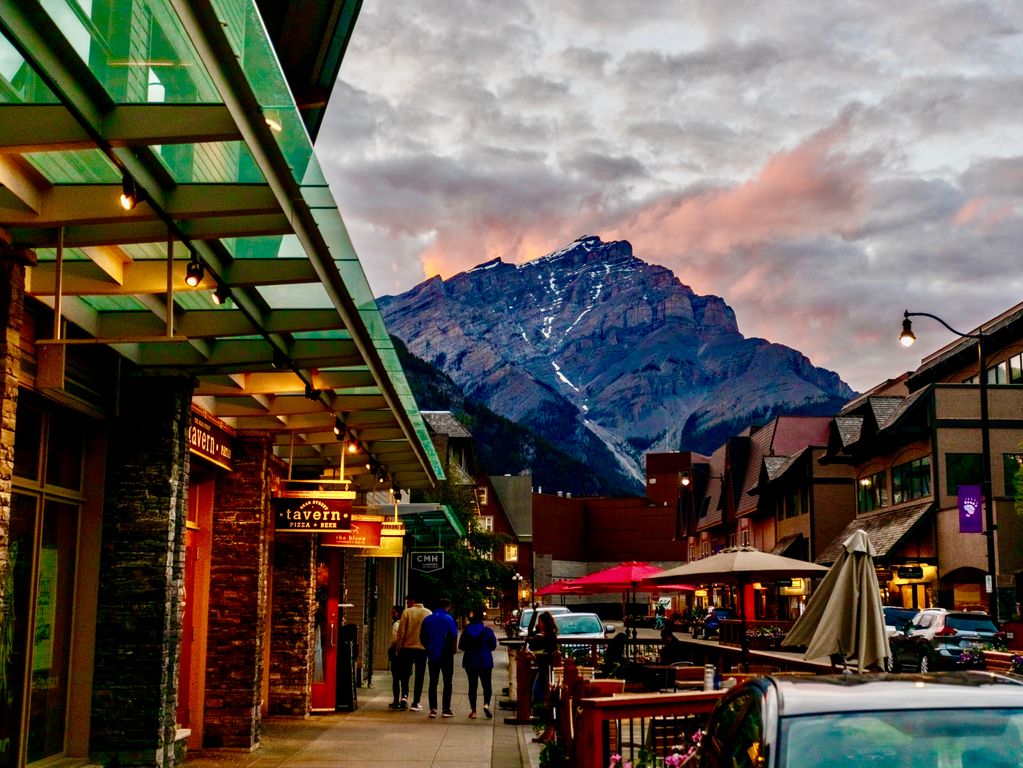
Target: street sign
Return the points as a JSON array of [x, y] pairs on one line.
[[427, 562]]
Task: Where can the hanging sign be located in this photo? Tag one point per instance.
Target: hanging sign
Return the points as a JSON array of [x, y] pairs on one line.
[[969, 509], [362, 533], [392, 539], [316, 515], [427, 562], [206, 438]]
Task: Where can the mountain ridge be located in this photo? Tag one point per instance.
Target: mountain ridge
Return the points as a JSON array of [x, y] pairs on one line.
[[591, 342]]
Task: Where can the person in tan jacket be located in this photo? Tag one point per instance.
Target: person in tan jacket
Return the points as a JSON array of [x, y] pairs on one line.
[[411, 652]]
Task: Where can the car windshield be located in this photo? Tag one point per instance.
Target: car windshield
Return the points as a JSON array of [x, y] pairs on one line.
[[951, 738], [969, 623], [898, 617], [576, 624]]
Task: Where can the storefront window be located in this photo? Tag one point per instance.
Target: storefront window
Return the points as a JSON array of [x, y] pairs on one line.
[[28, 443], [36, 636], [51, 631]]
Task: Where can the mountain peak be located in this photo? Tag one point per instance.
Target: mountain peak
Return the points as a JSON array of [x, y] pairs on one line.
[[604, 354]]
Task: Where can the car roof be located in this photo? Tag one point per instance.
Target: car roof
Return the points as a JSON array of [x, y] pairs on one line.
[[822, 694]]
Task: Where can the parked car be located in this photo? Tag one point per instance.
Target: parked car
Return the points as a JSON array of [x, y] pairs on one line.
[[527, 623], [960, 720], [580, 626], [896, 619], [936, 638], [710, 623]]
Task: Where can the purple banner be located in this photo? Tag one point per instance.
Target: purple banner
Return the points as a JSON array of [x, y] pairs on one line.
[[970, 502]]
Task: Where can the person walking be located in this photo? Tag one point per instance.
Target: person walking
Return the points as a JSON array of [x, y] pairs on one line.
[[439, 637], [544, 645], [411, 653], [393, 659], [477, 643]]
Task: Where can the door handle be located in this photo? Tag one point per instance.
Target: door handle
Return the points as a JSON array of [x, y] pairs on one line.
[[333, 634]]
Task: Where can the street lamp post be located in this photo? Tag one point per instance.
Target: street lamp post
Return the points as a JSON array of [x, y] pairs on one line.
[[517, 578], [907, 337]]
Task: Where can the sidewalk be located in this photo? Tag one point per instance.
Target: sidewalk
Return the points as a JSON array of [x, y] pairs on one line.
[[375, 736]]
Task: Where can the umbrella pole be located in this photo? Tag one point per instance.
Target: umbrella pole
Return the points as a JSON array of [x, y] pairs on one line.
[[743, 640]]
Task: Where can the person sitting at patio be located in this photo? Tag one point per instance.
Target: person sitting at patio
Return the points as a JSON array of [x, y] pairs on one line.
[[613, 663], [673, 650]]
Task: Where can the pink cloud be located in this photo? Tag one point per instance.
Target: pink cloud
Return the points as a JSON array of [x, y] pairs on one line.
[[810, 190], [982, 214]]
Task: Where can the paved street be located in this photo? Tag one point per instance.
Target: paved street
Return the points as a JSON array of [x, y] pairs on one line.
[[375, 736]]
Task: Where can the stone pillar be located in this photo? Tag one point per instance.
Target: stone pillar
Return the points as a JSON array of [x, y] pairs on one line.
[[12, 316], [238, 598], [292, 631], [138, 618]]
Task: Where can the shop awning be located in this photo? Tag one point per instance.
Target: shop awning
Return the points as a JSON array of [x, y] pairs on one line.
[[429, 525], [784, 544], [194, 118], [886, 530]]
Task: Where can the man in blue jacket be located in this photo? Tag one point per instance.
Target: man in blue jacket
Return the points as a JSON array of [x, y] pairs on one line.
[[439, 637]]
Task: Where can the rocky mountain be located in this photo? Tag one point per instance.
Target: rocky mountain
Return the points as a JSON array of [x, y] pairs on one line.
[[504, 447], [605, 355]]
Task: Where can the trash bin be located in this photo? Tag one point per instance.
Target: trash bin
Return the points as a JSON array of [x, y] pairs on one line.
[[347, 655]]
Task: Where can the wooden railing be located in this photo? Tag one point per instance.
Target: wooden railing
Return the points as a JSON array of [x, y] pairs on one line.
[[656, 722]]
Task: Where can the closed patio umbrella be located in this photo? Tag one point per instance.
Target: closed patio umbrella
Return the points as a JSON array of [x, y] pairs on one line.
[[844, 616], [739, 566]]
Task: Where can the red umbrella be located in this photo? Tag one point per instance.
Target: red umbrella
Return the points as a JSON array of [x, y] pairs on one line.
[[564, 587], [624, 577], [621, 576]]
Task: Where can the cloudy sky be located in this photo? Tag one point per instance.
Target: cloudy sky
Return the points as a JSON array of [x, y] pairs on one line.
[[822, 166]]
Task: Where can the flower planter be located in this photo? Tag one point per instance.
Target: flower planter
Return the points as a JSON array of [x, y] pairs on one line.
[[998, 661], [763, 643]]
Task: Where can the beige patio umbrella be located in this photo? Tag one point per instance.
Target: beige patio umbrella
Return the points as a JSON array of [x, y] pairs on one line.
[[844, 616], [739, 566]]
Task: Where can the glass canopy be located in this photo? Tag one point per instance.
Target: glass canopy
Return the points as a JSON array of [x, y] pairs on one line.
[[184, 105]]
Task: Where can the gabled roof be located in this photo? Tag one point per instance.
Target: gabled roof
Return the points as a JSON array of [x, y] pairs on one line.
[[848, 430], [882, 408], [905, 408], [445, 423], [515, 495], [783, 436]]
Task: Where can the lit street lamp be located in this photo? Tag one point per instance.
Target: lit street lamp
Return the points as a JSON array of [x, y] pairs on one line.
[[517, 578], [907, 337]]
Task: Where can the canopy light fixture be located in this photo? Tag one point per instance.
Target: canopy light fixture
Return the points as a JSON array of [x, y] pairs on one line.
[[220, 294], [353, 446], [339, 428], [686, 479], [194, 272], [131, 193]]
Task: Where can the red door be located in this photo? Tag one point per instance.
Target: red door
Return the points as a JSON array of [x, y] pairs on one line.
[[187, 634], [328, 593]]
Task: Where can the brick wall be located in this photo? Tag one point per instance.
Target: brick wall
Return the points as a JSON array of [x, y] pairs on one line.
[[138, 627], [292, 625], [238, 597], [12, 315]]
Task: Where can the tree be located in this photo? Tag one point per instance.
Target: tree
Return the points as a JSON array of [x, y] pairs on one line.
[[471, 577]]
